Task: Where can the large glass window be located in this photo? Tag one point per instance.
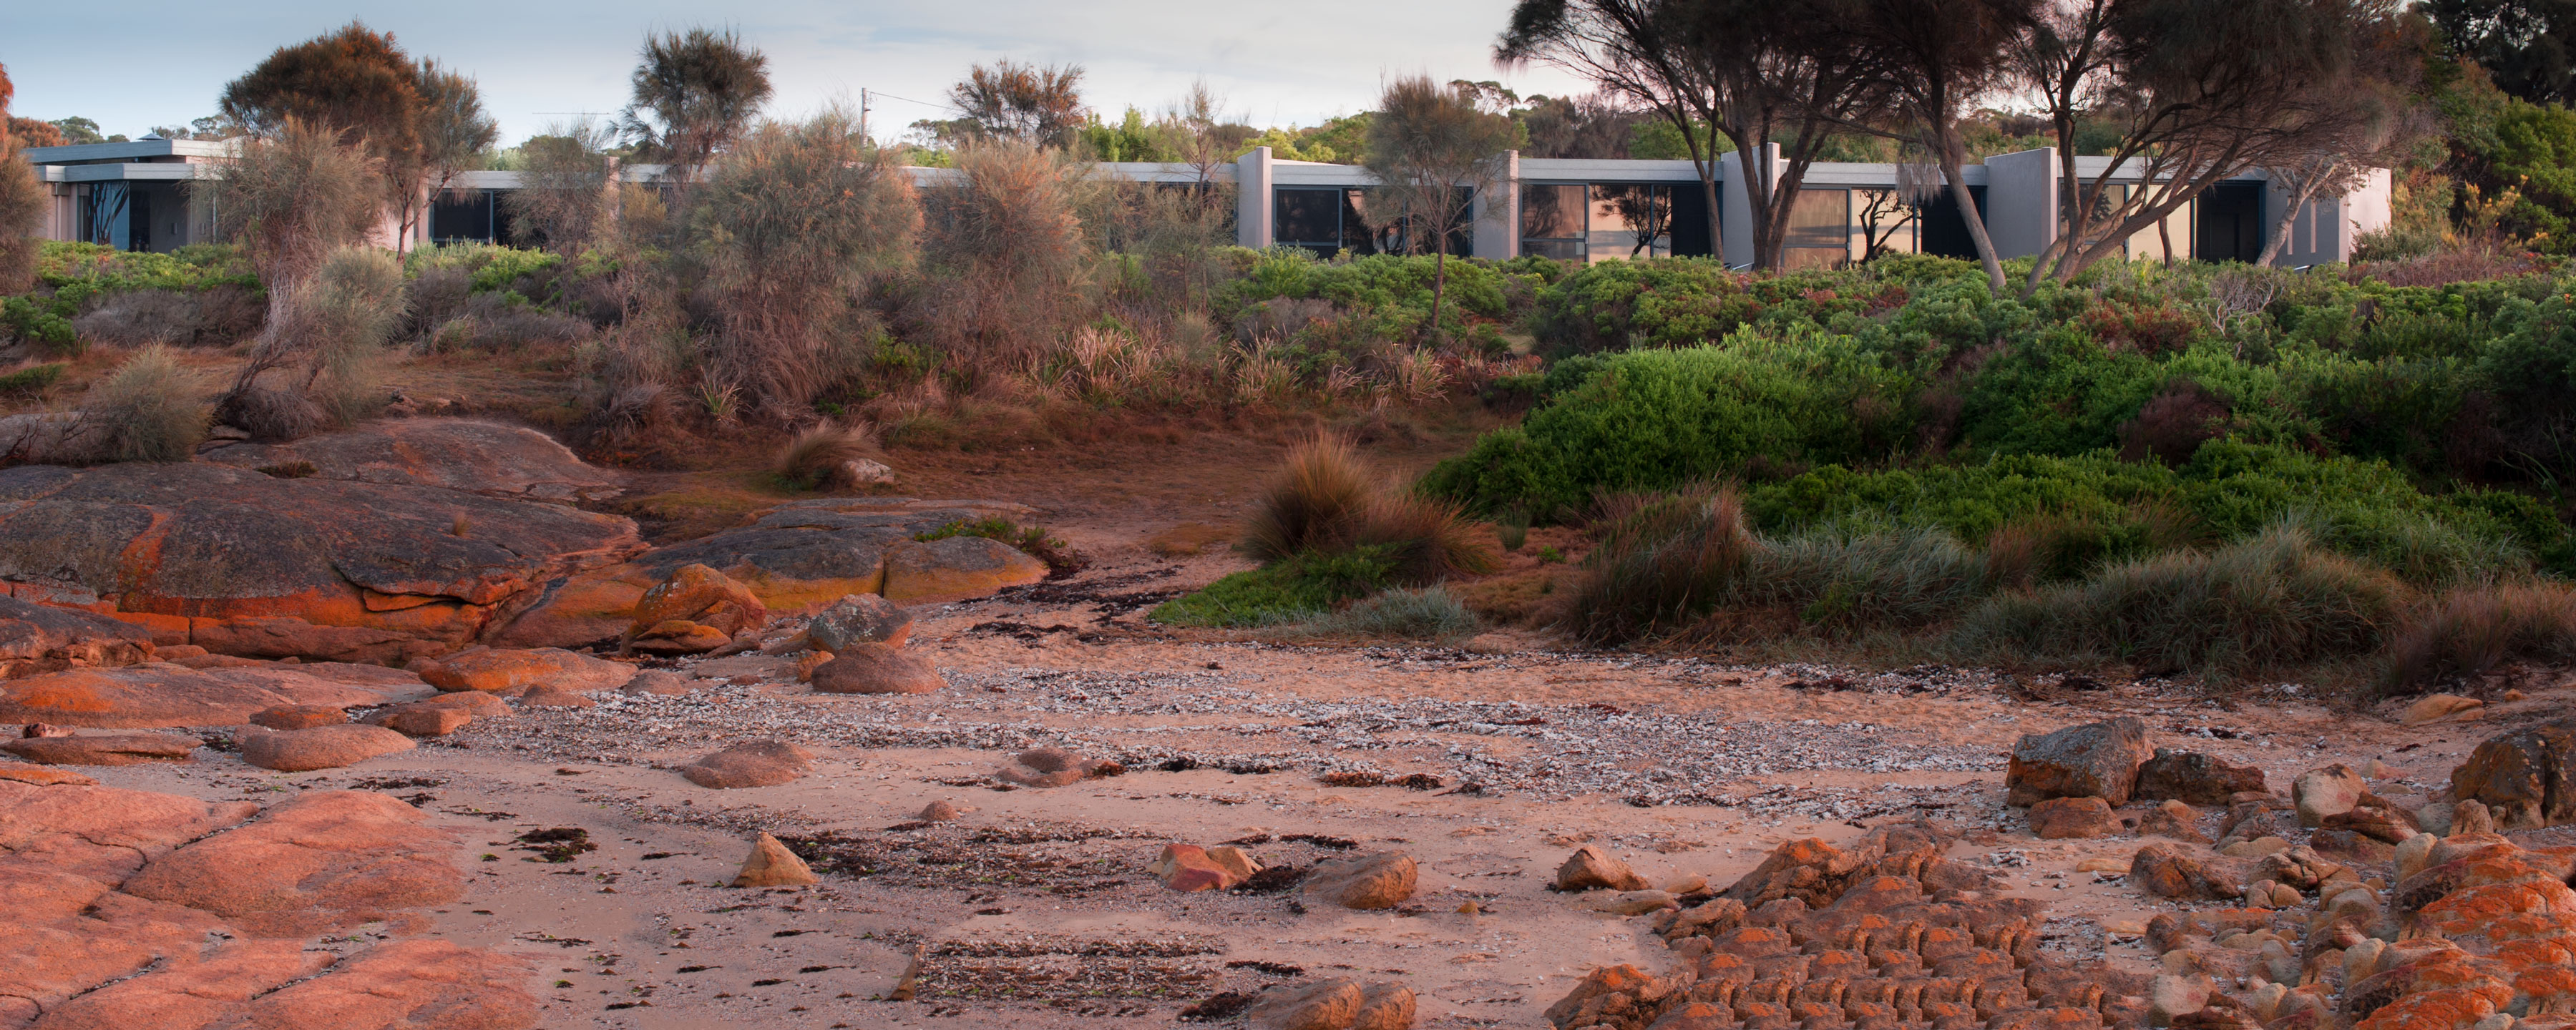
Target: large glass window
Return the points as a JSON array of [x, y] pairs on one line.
[[1309, 218], [1596, 221], [1819, 230]]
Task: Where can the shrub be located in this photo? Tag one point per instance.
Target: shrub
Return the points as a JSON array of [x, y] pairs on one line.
[[2468, 631], [1430, 613], [317, 367], [1427, 540], [1663, 560], [215, 316], [2270, 602], [32, 379], [1841, 582], [1310, 503], [143, 411], [1652, 420], [1301, 588]]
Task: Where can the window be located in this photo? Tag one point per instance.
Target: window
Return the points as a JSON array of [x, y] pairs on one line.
[[1596, 221], [1308, 218], [1819, 233]]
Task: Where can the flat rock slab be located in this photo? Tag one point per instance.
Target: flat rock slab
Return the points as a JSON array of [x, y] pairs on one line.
[[320, 747], [320, 862], [209, 542], [168, 695], [816, 551], [36, 638], [103, 749], [495, 670], [456, 454]]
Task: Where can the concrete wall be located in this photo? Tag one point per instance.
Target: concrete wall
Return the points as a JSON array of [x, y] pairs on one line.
[[2021, 201], [1498, 213], [1252, 211]]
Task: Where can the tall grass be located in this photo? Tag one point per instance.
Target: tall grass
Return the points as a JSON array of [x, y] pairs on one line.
[[143, 411], [1310, 504], [1663, 561], [814, 457], [2468, 631]]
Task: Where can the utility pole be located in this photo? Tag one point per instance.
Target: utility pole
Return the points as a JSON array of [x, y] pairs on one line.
[[863, 116]]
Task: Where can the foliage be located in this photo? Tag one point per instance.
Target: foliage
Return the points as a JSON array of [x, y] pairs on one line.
[[1039, 105], [355, 83], [812, 458], [2468, 631], [1301, 588], [1430, 613], [695, 93], [143, 411], [31, 379], [564, 192]]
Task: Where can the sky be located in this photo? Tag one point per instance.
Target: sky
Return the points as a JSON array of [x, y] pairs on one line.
[[542, 62]]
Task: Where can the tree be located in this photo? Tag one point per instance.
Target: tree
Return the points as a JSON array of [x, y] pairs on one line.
[[1026, 102], [207, 129], [453, 131], [78, 130], [1933, 59], [33, 133], [2527, 46], [1433, 153], [696, 92], [1756, 72], [22, 201], [563, 196], [292, 197], [1597, 125], [2200, 91], [356, 82]]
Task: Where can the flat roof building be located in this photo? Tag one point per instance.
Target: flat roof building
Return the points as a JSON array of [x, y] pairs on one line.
[[136, 196]]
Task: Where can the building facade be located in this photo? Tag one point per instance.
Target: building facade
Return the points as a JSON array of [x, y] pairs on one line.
[[137, 196]]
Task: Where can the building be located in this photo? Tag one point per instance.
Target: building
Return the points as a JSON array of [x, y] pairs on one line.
[[135, 196]]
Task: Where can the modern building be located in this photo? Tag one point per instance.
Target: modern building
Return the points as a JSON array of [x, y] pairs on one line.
[[135, 196]]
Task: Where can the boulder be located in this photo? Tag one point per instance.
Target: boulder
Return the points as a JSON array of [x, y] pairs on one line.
[[1385, 1006], [2377, 819], [44, 776], [2171, 819], [549, 697], [1363, 881], [2167, 871], [859, 619], [2436, 707], [456, 454], [2526, 778], [1053, 767], [677, 637], [759, 763], [422, 719], [770, 864], [938, 812], [875, 669], [260, 566], [318, 862], [662, 683], [1321, 1005], [2098, 760], [1188, 867], [2195, 779], [321, 747], [2332, 790], [495, 670], [1591, 868], [698, 596], [1630, 903], [36, 638], [2171, 997], [298, 717], [103, 749], [2076, 817], [956, 568], [157, 695]]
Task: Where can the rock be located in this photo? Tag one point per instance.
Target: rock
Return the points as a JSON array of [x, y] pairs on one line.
[[699, 597], [2171, 997], [1385, 1006], [422, 719], [191, 994], [1053, 767], [1188, 868], [297, 717], [2332, 790], [548, 697], [1321, 1005], [2194, 778], [2299, 868], [267, 567], [403, 985], [2169, 872], [2376, 819], [36, 638], [2350, 845], [859, 619], [1363, 881], [661, 682], [2172, 819], [679, 636], [321, 747], [860, 473], [44, 776], [809, 553], [458, 454], [938, 812], [876, 669], [2472, 817], [1629, 903], [152, 696], [770, 864], [497, 670], [956, 568], [2526, 778], [2072, 817], [2435, 707], [2255, 848], [1591, 868], [760, 763], [2098, 760], [103, 749], [321, 861]]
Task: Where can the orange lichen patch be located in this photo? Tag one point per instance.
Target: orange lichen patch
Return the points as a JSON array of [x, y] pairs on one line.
[[2550, 988], [2454, 1009], [2537, 951], [594, 605], [788, 594], [2474, 909], [2529, 926], [2496, 866], [165, 629]]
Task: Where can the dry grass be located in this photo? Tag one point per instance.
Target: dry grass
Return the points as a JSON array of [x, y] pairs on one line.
[[2469, 631], [1429, 540], [815, 456], [1311, 504], [144, 411], [1663, 561]]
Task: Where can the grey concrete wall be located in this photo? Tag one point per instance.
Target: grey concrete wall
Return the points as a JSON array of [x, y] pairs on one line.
[[2021, 201], [1252, 199]]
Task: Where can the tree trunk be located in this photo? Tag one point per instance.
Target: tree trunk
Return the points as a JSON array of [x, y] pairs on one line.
[[1439, 281], [1951, 160]]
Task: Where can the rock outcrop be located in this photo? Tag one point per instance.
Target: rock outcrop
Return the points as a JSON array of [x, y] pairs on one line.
[[2526, 778], [103, 749], [2096, 760], [495, 670], [248, 564], [38, 638], [162, 695], [456, 454]]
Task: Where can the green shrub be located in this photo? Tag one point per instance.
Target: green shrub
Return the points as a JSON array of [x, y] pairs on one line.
[[1840, 582], [1430, 613], [1299, 589], [32, 378], [1651, 420]]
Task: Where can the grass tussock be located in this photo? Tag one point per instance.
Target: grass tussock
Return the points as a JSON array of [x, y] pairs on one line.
[[1325, 499], [815, 457], [1663, 561], [2469, 631], [1430, 613], [144, 411]]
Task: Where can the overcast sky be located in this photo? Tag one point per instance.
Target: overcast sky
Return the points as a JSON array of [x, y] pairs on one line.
[[540, 61]]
